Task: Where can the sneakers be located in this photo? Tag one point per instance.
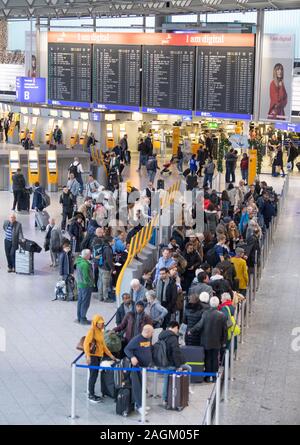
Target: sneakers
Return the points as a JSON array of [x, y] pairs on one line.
[[85, 322], [95, 399], [140, 411], [9, 270], [13, 270], [191, 391]]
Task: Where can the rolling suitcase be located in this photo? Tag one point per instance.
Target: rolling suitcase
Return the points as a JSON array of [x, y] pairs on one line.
[[178, 392], [160, 184], [24, 201], [194, 356], [191, 182], [124, 404], [24, 262], [42, 219]]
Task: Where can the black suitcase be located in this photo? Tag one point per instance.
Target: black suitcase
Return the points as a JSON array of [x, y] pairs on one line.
[[186, 172], [108, 387], [191, 182], [24, 201], [124, 404], [160, 184], [30, 246], [194, 356], [178, 392]]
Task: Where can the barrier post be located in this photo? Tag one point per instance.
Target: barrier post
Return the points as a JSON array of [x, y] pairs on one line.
[[231, 357], [154, 395], [87, 381], [144, 395], [242, 321], [247, 308], [218, 398], [255, 274], [208, 413], [73, 414], [226, 375]]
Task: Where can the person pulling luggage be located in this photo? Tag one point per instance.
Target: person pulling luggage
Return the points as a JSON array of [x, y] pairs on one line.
[[13, 235], [95, 348]]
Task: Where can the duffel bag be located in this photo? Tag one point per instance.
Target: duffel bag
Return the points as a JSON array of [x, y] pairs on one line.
[[30, 246], [113, 342]]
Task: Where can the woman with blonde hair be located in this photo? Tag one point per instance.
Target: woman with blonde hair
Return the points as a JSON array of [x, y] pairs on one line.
[[278, 94]]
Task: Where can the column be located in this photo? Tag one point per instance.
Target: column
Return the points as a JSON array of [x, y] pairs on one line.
[[258, 63]]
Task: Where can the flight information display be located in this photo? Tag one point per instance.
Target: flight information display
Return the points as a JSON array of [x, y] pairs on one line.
[[116, 77], [168, 79], [69, 74], [224, 82]]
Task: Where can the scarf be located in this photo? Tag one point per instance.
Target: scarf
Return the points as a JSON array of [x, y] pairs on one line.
[[160, 292]]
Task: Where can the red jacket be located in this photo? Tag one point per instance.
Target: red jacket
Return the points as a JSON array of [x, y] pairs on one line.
[[278, 100], [244, 163]]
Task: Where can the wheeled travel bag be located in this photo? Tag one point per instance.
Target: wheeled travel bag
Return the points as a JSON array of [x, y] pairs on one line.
[[42, 219], [24, 201], [194, 356], [160, 184], [178, 391], [24, 262], [124, 404]]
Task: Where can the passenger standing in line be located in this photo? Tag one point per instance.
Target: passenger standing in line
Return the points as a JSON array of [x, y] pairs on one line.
[[54, 238], [106, 268], [76, 231], [66, 260], [134, 322], [93, 358], [85, 283], [139, 351], [154, 309], [137, 291], [13, 235], [74, 187], [124, 308], [241, 270], [167, 293], [77, 170], [18, 186], [213, 330], [67, 201]]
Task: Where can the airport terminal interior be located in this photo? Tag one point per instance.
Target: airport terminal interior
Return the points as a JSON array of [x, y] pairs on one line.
[[149, 187]]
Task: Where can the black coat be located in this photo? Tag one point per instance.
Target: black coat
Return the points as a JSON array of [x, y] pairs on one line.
[[18, 182], [76, 231], [66, 199], [179, 239], [171, 296], [213, 329], [66, 264], [250, 249], [192, 315], [174, 354]]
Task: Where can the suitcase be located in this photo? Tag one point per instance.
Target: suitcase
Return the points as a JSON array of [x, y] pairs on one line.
[[42, 219], [24, 262], [160, 184], [191, 182], [108, 386], [124, 404], [194, 356], [24, 201], [178, 392]]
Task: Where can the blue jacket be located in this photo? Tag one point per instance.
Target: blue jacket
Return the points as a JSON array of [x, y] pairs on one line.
[[193, 165], [37, 200]]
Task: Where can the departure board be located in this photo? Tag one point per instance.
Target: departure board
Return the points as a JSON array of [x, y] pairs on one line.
[[69, 74], [168, 79], [224, 82], [116, 77]]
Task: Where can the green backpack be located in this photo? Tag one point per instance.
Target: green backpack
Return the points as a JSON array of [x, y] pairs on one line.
[[113, 342]]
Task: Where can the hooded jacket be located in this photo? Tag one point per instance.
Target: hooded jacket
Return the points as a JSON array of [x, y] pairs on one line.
[[84, 273], [98, 335], [174, 354]]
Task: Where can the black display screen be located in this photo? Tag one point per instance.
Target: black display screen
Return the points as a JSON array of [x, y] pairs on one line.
[[224, 81], [168, 79], [116, 76], [69, 73]]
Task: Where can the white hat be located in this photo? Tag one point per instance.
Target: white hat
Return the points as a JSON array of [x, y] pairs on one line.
[[204, 297]]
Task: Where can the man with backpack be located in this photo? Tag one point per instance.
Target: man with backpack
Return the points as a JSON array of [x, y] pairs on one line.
[[152, 167], [139, 351], [106, 268], [77, 170], [171, 354]]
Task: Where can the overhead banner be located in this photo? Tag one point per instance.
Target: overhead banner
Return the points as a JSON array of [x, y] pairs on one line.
[[277, 77]]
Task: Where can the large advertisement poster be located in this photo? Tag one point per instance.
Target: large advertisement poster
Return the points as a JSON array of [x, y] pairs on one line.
[[277, 77]]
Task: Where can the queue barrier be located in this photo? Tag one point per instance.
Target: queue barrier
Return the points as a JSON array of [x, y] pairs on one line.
[[144, 372], [142, 238]]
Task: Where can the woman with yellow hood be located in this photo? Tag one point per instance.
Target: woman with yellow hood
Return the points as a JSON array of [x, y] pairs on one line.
[[95, 348]]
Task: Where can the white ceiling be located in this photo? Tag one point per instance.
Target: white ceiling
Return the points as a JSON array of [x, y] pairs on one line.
[[113, 8]]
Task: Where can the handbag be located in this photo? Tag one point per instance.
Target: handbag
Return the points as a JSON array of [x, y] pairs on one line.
[[93, 345]]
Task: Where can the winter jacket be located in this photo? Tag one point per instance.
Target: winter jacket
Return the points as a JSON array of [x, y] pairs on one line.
[[66, 264], [174, 354], [241, 270], [76, 231], [171, 295], [127, 324], [108, 258], [96, 334], [37, 200], [67, 202], [192, 315], [157, 312], [84, 273], [120, 314], [55, 239], [212, 328], [18, 182]]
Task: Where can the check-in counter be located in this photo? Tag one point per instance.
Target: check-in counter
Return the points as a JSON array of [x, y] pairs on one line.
[[33, 167], [52, 170]]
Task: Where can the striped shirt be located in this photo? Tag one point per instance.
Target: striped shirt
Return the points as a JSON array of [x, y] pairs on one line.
[[8, 232]]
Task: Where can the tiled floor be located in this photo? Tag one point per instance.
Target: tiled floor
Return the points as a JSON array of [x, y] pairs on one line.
[[35, 372]]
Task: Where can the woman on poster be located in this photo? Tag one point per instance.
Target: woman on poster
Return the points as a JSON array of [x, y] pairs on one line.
[[278, 94]]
